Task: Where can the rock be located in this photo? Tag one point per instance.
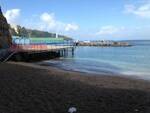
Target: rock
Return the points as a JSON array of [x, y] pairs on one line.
[[102, 43], [5, 37], [72, 110]]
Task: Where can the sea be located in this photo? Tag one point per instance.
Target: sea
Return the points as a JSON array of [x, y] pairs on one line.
[[131, 61]]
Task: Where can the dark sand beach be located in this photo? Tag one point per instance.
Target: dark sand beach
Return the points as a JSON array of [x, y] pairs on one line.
[[25, 88]]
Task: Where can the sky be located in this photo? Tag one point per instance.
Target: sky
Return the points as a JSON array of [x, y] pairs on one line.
[[83, 19]]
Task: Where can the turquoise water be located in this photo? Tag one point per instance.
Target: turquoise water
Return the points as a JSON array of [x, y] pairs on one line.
[[129, 61]]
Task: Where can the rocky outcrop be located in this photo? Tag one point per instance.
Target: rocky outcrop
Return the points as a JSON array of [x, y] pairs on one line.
[[103, 43], [5, 37]]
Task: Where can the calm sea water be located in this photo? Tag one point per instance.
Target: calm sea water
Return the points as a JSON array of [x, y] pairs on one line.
[[131, 61]]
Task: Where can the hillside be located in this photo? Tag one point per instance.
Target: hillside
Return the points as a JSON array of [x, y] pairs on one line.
[[24, 32]]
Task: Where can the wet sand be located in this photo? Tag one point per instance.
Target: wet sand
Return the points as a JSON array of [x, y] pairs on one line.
[[27, 88]]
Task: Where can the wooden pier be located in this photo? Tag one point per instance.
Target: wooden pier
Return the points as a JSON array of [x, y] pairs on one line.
[[36, 52], [28, 48]]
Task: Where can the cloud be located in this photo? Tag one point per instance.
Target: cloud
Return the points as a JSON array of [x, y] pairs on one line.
[[12, 16], [71, 27], [49, 22], [109, 30], [49, 19], [121, 32], [45, 21], [141, 11]]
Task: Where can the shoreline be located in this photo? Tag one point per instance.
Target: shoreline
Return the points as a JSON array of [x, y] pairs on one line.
[[105, 68], [124, 74], [28, 88], [72, 73]]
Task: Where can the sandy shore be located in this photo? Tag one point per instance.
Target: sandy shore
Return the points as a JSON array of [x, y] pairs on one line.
[[26, 88]]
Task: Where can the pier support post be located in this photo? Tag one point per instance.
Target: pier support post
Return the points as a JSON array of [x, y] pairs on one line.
[[72, 51]]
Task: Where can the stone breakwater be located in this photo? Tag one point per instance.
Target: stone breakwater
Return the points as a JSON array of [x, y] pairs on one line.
[[103, 43]]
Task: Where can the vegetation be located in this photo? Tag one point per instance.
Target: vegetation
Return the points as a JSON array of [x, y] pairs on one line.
[[24, 32]]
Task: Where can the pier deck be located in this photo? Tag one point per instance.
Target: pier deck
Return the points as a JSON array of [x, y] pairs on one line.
[[38, 48], [18, 50]]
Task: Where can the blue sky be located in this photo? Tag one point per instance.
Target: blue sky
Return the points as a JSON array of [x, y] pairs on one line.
[[83, 19]]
